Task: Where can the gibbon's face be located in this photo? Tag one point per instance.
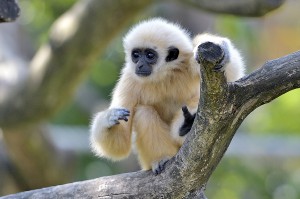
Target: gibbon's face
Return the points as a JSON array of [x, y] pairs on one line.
[[146, 58], [155, 47]]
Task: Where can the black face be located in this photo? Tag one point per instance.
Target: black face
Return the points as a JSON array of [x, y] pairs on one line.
[[146, 58]]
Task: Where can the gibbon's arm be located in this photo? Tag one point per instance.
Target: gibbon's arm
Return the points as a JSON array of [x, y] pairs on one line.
[[230, 62], [111, 128]]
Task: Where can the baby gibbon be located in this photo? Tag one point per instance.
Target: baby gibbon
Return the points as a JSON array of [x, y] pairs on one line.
[[160, 76]]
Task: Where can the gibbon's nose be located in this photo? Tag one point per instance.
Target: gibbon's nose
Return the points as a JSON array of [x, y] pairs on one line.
[[142, 66], [143, 70]]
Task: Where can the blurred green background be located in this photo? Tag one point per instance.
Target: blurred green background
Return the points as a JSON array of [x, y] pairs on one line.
[[272, 172]]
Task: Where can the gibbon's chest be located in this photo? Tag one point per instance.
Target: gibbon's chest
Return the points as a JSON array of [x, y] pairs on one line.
[[165, 106], [168, 97]]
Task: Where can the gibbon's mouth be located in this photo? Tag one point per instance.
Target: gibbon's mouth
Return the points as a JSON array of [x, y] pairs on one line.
[[143, 74]]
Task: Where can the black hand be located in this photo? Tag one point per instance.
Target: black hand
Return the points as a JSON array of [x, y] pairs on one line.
[[188, 121], [213, 53]]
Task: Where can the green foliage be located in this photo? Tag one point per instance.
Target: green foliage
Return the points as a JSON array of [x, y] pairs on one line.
[[71, 114], [280, 116], [232, 26], [105, 72], [104, 75], [90, 166], [260, 178]]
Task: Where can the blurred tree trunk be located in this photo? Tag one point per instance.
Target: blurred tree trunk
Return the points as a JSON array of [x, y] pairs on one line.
[[35, 159]]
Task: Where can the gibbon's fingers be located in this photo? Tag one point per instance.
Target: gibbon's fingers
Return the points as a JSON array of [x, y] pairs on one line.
[[124, 118], [186, 113], [124, 113], [213, 53], [220, 65], [118, 114], [188, 121], [210, 52]]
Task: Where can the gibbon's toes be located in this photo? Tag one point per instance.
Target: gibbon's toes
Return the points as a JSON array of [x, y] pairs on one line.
[[210, 52], [158, 167]]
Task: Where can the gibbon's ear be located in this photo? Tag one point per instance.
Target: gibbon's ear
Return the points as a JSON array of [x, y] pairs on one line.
[[173, 53]]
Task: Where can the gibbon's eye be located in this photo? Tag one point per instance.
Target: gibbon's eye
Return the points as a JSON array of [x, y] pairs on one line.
[[151, 55], [135, 55]]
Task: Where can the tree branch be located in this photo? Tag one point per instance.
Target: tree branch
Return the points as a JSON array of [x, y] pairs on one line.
[[252, 8], [269, 83], [223, 106]]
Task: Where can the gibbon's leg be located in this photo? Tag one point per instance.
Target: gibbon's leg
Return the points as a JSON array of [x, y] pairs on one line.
[[153, 140]]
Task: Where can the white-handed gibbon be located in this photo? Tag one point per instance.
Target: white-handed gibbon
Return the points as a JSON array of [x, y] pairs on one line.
[[158, 91]]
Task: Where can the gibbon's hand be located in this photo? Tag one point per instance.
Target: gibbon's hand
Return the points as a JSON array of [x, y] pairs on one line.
[[213, 53], [116, 114], [188, 121]]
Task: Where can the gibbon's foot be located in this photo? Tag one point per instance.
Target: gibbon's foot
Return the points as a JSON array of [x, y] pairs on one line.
[[188, 121], [216, 54], [116, 114], [159, 166]]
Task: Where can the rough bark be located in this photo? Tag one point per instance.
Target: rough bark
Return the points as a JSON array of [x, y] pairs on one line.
[[223, 107], [9, 10]]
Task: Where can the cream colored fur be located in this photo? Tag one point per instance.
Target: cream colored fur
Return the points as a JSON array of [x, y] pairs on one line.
[[155, 101]]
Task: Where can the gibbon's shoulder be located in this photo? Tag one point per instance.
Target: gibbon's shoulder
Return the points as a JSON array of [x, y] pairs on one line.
[[157, 31]]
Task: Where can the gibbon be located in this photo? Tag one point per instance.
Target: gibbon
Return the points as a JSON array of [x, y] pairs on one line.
[[157, 94]]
